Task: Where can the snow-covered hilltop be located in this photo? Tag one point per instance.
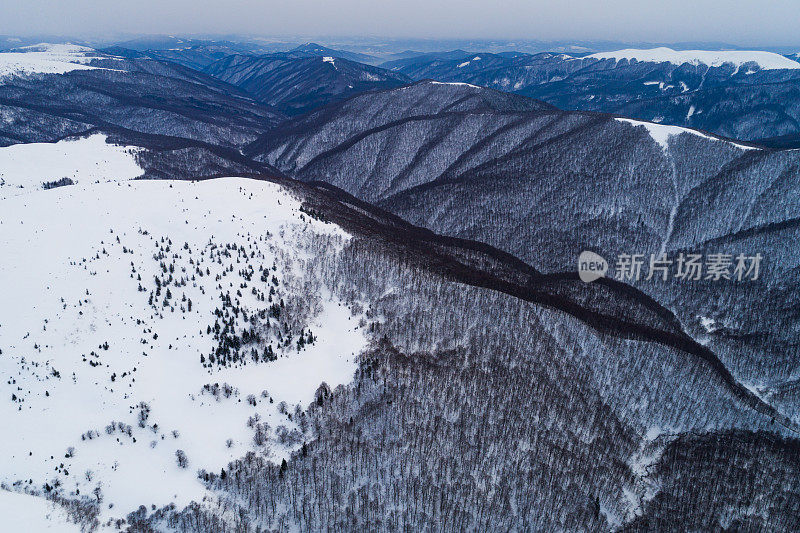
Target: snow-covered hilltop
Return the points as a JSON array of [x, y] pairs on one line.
[[738, 58], [32, 167], [157, 328], [47, 59]]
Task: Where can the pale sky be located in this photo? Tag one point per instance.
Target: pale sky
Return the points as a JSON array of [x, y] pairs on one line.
[[741, 22]]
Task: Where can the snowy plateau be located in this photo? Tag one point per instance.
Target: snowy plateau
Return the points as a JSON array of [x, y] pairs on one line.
[[764, 60], [46, 59], [126, 357]]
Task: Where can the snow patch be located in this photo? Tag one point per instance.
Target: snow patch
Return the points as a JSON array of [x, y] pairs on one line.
[[708, 324], [756, 390], [738, 58], [642, 464], [661, 133], [459, 83]]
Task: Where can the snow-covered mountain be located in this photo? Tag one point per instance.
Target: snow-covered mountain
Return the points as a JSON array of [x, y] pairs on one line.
[[175, 349], [367, 317]]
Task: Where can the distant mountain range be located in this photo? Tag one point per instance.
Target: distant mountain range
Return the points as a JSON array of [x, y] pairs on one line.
[[97, 90], [192, 123], [195, 57], [742, 95], [746, 95], [298, 81], [199, 54], [314, 49], [293, 82]]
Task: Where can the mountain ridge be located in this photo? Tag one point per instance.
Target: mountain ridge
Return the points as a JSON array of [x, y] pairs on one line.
[[670, 90]]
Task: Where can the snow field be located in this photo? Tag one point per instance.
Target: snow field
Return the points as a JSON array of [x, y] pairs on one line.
[[86, 357]]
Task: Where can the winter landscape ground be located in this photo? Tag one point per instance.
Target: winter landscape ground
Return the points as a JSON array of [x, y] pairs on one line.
[[250, 287]]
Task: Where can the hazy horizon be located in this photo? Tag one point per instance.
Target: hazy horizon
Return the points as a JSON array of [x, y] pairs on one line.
[[738, 23]]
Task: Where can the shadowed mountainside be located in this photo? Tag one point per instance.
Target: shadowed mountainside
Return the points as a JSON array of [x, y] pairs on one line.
[[545, 184]]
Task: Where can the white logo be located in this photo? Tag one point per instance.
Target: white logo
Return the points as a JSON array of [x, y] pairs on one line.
[[591, 266]]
